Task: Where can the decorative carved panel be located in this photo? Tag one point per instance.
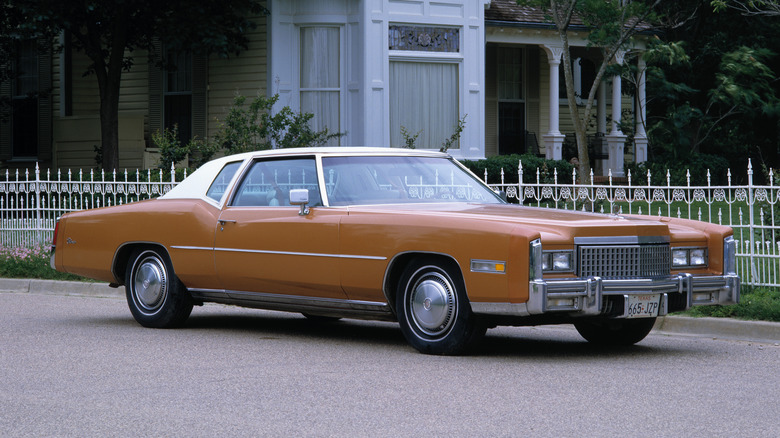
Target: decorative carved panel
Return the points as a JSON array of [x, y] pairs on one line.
[[424, 38]]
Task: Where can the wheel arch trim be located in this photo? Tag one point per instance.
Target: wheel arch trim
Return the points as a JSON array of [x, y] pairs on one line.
[[122, 256], [395, 268]]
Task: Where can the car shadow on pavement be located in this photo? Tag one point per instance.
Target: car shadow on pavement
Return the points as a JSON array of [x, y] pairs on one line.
[[290, 325], [508, 342]]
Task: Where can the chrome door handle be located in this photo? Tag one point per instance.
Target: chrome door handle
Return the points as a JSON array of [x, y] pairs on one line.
[[222, 223]]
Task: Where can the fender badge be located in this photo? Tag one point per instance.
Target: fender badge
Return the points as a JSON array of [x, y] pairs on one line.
[[70, 241]]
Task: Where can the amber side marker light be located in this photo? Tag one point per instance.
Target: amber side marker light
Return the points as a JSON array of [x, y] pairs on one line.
[[496, 267]]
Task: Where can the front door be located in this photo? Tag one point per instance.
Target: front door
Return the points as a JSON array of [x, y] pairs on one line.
[[263, 245]]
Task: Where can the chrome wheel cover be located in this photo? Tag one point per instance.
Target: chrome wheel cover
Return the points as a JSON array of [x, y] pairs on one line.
[[149, 283], [432, 304]]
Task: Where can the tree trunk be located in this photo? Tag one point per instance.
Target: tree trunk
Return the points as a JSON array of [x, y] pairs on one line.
[[580, 126], [109, 126]]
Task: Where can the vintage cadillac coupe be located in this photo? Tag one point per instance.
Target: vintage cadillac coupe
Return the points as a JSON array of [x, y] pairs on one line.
[[402, 235]]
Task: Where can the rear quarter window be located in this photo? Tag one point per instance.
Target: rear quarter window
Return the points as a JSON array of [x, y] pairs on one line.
[[219, 187]]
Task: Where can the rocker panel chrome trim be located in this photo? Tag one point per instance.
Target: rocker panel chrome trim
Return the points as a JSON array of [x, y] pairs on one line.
[[297, 303]]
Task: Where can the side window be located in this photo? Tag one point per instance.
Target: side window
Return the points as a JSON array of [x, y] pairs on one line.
[[219, 186], [268, 183]]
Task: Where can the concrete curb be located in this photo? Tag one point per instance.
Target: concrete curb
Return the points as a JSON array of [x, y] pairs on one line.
[[54, 287], [723, 328]]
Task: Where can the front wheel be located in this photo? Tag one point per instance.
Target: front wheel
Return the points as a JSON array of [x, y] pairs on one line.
[[155, 295], [615, 332], [433, 310]]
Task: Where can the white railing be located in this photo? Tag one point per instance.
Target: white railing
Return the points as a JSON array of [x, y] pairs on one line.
[[749, 209], [31, 204]]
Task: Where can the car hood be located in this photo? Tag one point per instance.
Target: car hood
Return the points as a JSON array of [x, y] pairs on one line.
[[554, 225]]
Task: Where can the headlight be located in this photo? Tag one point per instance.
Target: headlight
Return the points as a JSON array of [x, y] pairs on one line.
[[689, 257], [557, 261]]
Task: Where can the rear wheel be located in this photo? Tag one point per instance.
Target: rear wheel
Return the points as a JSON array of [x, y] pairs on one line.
[[615, 332], [155, 295], [433, 310]]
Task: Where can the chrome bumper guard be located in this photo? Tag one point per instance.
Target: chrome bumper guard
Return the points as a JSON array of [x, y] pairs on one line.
[[586, 296]]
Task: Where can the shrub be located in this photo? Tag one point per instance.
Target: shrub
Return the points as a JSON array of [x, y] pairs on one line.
[[509, 163], [696, 164], [24, 262], [255, 127], [755, 304], [247, 127]]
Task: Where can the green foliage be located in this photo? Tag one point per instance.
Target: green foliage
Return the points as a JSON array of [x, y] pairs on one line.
[[409, 139], [698, 165], [256, 127], [455, 135], [22, 262], [745, 81], [247, 127], [510, 163], [171, 150], [713, 88], [755, 304]]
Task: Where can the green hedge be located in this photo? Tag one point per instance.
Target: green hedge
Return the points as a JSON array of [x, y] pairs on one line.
[[510, 165]]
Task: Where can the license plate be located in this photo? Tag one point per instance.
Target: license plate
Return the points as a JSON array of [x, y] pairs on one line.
[[643, 306]]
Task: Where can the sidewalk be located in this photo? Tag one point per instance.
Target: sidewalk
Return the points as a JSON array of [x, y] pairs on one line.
[[721, 328]]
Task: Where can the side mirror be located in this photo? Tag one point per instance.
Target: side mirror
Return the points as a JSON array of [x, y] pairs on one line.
[[300, 197]]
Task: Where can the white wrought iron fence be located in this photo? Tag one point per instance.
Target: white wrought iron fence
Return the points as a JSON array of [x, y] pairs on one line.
[[31, 204], [751, 210]]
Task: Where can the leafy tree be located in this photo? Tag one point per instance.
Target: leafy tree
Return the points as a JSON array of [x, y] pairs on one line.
[[751, 7], [714, 88], [109, 31], [611, 26]]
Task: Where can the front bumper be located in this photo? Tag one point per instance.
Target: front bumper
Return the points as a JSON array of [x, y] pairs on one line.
[[591, 296]]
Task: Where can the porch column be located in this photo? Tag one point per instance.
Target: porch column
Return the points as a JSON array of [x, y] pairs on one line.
[[600, 165], [640, 138], [553, 140], [601, 109], [616, 139]]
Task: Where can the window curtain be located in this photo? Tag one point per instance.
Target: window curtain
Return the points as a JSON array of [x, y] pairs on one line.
[[320, 82], [424, 100]]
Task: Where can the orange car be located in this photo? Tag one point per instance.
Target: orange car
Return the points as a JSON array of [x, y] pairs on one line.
[[393, 234]]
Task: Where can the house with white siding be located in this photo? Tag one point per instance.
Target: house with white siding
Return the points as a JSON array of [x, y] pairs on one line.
[[367, 68]]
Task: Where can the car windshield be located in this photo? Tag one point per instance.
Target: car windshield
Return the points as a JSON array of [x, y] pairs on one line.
[[399, 180]]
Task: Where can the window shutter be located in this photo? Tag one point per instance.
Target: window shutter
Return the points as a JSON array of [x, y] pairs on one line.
[[155, 88], [5, 122], [199, 96], [44, 102]]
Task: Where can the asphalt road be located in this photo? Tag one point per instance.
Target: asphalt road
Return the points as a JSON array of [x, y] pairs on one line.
[[80, 366]]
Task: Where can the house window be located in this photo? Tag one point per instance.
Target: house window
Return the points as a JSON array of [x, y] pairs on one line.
[[24, 126], [320, 78], [177, 94], [511, 101], [424, 100]]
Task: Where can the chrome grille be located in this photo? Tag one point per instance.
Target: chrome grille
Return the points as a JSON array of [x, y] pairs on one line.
[[624, 261]]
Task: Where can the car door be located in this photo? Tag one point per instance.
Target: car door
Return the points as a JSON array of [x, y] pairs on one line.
[[263, 245]]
